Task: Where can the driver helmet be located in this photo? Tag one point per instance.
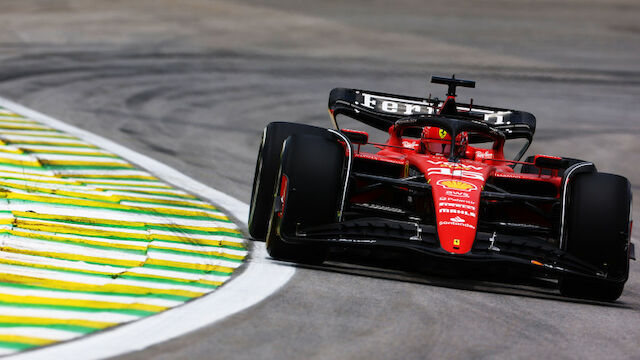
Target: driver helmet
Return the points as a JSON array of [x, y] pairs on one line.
[[437, 141]]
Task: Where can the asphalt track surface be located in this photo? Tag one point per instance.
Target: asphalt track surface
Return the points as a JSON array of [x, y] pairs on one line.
[[193, 83]]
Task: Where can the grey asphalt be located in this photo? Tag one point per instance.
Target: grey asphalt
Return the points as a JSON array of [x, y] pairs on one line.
[[192, 83]]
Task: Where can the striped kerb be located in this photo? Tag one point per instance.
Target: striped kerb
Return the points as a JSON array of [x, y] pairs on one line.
[[88, 241]]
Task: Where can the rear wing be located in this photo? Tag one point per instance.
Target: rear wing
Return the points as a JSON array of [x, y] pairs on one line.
[[381, 110]]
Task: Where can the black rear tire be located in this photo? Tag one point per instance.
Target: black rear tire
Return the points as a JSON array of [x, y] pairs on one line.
[[313, 167], [597, 225], [265, 175]]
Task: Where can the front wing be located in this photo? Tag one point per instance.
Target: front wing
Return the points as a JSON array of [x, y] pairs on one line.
[[529, 251]]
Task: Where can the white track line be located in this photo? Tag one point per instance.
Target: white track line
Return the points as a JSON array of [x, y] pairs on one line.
[[260, 279]]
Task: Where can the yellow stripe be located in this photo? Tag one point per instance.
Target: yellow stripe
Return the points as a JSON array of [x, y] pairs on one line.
[[88, 220], [67, 256], [163, 201], [70, 152], [112, 176], [131, 273], [151, 192], [107, 288], [107, 201], [50, 133], [20, 162], [84, 163], [63, 192], [51, 237], [50, 142], [26, 340], [202, 252], [201, 241], [64, 201], [182, 280], [93, 304], [102, 222], [181, 212], [179, 264], [98, 182], [70, 229], [28, 176], [11, 150], [16, 125], [28, 320], [19, 119]]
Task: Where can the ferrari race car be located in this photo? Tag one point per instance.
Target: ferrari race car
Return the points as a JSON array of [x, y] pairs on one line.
[[441, 186]]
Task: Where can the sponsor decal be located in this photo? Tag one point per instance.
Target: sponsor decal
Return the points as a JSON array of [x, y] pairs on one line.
[[456, 242], [442, 133], [457, 219], [497, 118], [484, 154], [457, 224], [379, 158], [460, 173], [410, 144], [457, 211], [513, 176], [395, 106], [457, 185], [462, 206], [459, 194], [457, 200], [454, 165], [359, 241]]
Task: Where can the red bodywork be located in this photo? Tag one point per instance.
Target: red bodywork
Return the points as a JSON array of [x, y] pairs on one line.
[[456, 186]]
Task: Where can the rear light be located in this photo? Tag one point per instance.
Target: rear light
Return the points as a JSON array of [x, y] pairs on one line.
[[282, 195]]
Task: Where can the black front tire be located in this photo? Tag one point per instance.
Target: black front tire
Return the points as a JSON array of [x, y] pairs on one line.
[[597, 225], [313, 167], [265, 175]]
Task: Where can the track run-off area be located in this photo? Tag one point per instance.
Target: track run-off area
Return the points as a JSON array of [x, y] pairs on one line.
[[90, 242]]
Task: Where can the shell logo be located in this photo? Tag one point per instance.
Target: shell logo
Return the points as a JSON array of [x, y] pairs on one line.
[[457, 185]]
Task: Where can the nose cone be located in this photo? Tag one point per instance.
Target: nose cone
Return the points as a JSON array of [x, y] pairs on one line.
[[456, 204]]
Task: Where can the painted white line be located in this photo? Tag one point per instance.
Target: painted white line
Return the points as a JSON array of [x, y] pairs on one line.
[[260, 279], [40, 332], [106, 316]]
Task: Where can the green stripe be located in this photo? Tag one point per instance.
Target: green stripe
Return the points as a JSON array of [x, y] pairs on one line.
[[76, 243], [133, 227], [35, 152], [16, 345], [47, 288], [187, 253], [49, 143], [125, 311], [107, 178], [129, 276], [120, 208], [72, 167], [187, 270], [72, 328]]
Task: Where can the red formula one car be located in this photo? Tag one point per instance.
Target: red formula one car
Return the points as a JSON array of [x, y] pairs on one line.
[[440, 185]]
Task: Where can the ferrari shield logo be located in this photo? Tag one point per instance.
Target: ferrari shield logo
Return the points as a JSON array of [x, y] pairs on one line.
[[442, 133]]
